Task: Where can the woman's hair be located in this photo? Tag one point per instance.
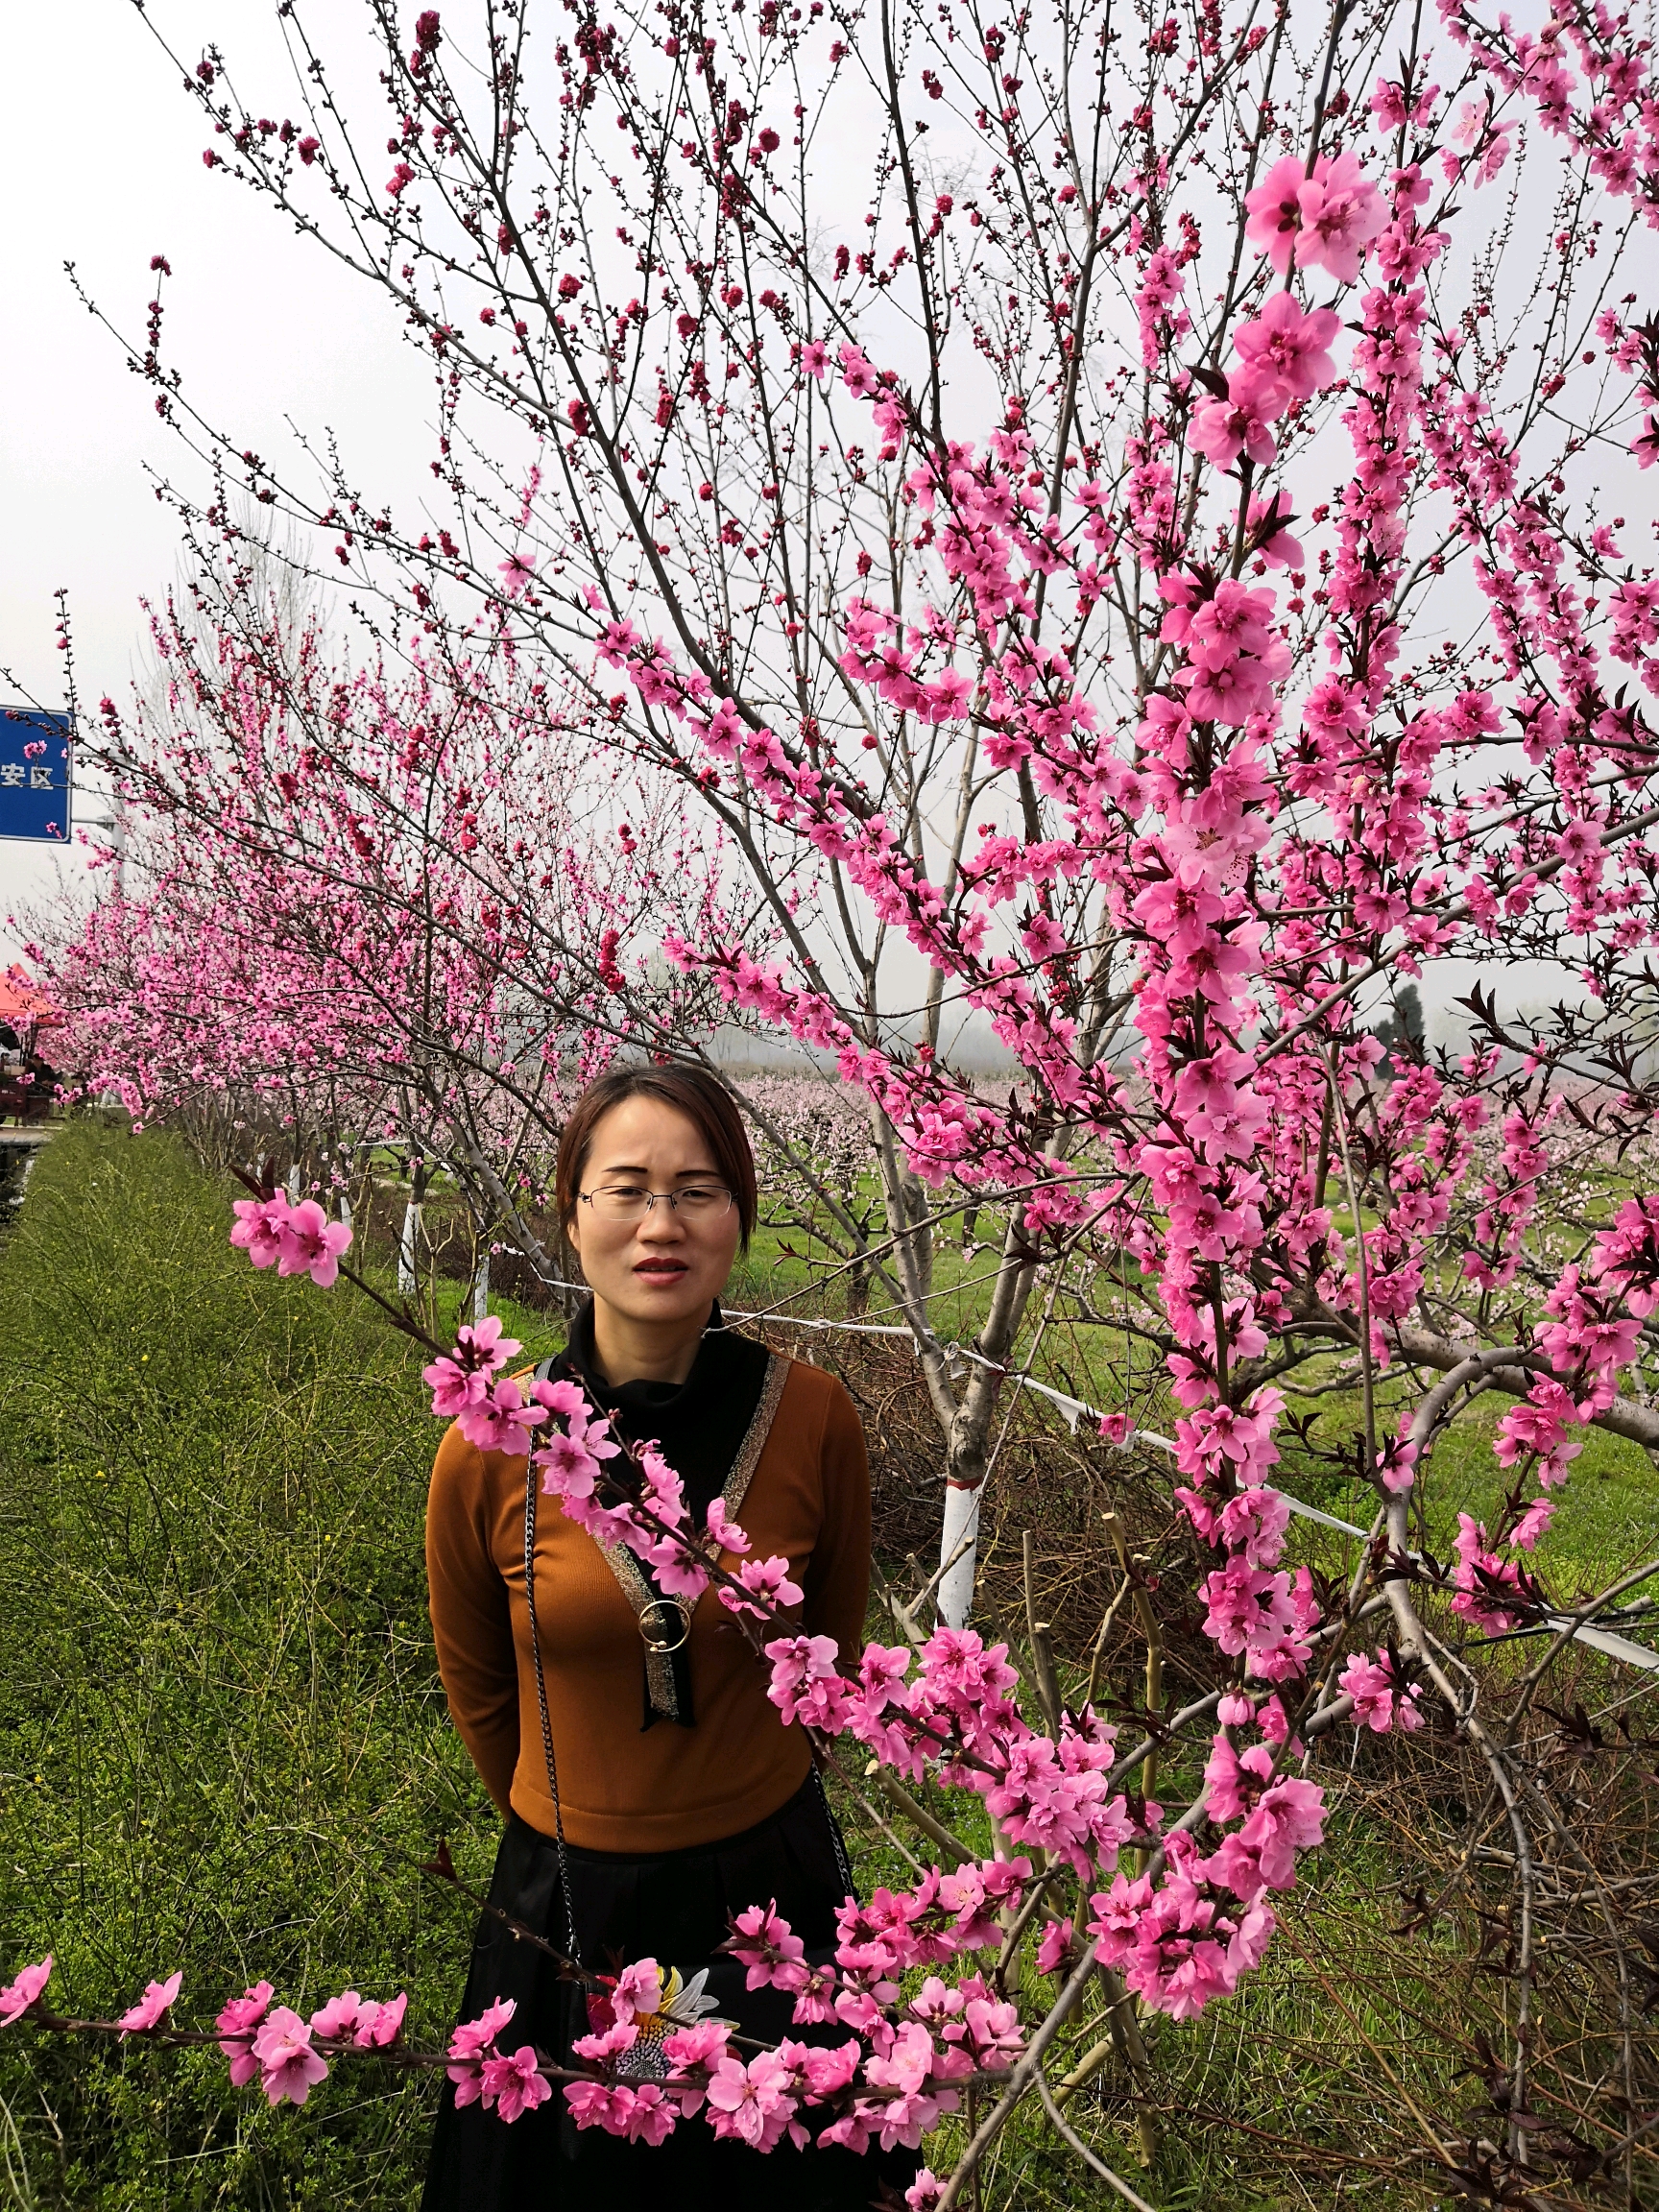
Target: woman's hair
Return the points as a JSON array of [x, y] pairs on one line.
[[704, 1100]]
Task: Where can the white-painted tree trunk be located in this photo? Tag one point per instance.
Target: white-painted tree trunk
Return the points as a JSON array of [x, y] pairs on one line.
[[407, 1243], [409, 1240], [955, 1599], [481, 1288], [969, 1458]]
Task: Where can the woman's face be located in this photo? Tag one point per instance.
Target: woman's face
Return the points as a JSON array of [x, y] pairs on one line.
[[665, 1266]]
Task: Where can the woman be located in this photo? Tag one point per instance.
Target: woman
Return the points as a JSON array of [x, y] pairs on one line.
[[649, 1786]]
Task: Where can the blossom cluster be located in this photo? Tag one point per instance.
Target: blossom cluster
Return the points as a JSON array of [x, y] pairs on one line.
[[298, 1240], [1383, 1696], [271, 2045]]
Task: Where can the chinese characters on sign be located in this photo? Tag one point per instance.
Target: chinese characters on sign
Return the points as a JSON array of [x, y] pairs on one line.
[[35, 775]]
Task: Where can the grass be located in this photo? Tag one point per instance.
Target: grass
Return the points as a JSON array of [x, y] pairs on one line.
[[1606, 1523], [223, 1746]]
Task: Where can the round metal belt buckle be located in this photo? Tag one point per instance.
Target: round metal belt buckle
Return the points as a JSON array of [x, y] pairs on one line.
[[653, 1622]]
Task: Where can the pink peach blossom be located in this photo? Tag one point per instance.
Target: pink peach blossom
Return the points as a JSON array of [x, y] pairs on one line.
[[152, 2009], [288, 2068], [24, 1990]]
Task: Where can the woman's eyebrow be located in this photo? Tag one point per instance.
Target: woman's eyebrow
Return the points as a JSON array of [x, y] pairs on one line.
[[681, 1175]]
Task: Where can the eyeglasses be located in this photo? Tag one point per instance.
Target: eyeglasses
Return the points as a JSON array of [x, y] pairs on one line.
[[699, 1203]]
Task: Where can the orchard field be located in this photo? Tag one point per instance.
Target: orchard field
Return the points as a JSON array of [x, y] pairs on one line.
[[225, 1747]]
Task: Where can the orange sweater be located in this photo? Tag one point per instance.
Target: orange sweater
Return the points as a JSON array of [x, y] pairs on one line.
[[622, 1787]]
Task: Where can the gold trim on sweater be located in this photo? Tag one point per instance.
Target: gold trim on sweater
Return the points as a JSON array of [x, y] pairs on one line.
[[660, 1643]]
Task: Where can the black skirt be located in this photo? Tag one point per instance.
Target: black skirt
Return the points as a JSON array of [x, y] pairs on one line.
[[672, 1906]]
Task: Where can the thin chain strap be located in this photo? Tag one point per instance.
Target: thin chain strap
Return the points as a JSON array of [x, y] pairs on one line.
[[848, 1886], [531, 1488]]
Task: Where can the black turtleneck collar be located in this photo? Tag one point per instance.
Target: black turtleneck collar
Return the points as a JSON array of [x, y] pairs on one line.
[[698, 1425]]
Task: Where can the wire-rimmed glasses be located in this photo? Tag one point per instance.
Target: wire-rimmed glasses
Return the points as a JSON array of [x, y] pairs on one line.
[[697, 1204]]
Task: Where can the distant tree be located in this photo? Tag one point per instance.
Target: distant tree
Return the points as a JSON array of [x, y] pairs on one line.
[[1404, 1025]]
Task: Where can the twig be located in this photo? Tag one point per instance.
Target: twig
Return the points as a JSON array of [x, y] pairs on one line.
[[899, 1619], [1133, 1569], [1122, 2035], [965, 1543], [1020, 2081], [895, 1794], [1115, 2180], [1099, 1647], [1041, 1641]]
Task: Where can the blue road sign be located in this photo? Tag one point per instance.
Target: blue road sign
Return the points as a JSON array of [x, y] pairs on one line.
[[35, 775]]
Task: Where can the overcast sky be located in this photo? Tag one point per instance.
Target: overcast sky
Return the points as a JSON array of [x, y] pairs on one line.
[[101, 164]]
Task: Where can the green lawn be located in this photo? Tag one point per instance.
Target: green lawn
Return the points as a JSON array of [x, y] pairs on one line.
[[223, 1746], [221, 1741]]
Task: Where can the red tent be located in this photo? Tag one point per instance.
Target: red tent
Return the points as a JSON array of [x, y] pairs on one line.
[[22, 1006]]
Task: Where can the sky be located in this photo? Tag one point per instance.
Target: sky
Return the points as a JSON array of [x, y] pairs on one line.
[[101, 165]]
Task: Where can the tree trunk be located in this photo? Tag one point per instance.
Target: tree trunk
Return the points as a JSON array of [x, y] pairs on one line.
[[961, 1527], [409, 1240], [968, 1446]]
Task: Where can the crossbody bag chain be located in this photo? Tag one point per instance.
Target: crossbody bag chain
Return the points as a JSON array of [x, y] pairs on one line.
[[531, 1486]]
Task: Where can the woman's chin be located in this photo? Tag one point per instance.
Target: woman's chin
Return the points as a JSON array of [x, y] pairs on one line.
[[661, 1297]]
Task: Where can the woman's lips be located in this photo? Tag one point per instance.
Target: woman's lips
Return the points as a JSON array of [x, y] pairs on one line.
[[665, 1268]]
